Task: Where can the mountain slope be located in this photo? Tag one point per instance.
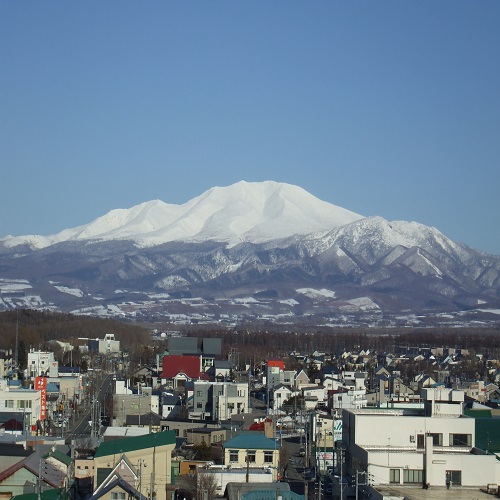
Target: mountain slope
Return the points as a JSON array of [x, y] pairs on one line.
[[259, 239], [245, 211]]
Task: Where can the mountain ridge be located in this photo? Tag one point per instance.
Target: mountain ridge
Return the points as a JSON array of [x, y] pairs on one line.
[[245, 211], [260, 240]]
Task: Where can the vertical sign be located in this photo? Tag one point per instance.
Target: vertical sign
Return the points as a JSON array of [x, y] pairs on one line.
[[41, 385]]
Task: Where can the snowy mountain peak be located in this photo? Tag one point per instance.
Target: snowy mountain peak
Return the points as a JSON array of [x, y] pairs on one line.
[[245, 211]]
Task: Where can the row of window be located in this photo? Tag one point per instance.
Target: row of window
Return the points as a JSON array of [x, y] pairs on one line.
[[437, 439], [250, 456], [20, 404], [416, 476]]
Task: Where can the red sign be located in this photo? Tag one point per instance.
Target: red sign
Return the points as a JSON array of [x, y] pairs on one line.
[[41, 385]]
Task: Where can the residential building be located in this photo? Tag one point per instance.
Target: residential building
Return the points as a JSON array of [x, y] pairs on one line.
[[219, 400], [432, 447], [179, 370], [141, 462], [252, 450], [42, 364], [107, 345]]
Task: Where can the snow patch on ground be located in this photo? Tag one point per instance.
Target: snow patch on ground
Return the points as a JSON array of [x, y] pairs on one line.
[[246, 300], [492, 311], [364, 303], [8, 285], [76, 292], [315, 294], [289, 302]]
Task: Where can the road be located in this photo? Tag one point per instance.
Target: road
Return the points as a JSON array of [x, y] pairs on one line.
[[82, 429]]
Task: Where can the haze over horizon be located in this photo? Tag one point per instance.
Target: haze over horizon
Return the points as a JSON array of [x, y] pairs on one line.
[[389, 109]]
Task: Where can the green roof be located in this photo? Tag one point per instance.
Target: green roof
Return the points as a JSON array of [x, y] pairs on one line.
[[253, 441], [478, 413], [271, 495], [119, 446], [52, 494], [58, 455], [488, 434]]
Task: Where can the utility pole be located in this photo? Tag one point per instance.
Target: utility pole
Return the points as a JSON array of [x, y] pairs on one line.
[[341, 453]]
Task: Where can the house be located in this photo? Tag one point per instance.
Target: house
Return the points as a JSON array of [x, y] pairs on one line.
[[260, 491], [29, 474], [178, 370], [281, 394], [301, 379], [220, 371], [206, 435], [207, 348], [150, 420], [147, 456], [28, 402], [252, 449], [435, 446], [11, 454], [171, 406], [219, 400]]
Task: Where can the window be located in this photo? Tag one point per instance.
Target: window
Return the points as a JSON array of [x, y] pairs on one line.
[[454, 477], [199, 405], [420, 441], [251, 456], [117, 495], [460, 439], [394, 476], [437, 438], [268, 457], [9, 403], [233, 455], [198, 393], [412, 476]]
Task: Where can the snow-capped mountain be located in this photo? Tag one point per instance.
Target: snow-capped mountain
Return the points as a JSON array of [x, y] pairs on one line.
[[246, 211], [267, 241]]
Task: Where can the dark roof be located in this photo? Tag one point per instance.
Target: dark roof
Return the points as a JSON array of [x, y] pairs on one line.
[[69, 369], [120, 482], [49, 474], [13, 450], [145, 419], [194, 345], [12, 425], [5, 416], [135, 443]]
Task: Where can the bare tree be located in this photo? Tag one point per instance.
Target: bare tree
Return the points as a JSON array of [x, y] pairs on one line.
[[206, 487]]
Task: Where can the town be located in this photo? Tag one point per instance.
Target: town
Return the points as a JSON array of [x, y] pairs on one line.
[[203, 416]]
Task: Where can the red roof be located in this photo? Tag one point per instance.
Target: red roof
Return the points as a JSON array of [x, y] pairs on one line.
[[276, 362], [189, 365]]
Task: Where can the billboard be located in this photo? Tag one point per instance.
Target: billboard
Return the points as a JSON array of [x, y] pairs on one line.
[[41, 385]]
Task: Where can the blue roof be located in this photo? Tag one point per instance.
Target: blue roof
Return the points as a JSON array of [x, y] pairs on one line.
[[251, 440]]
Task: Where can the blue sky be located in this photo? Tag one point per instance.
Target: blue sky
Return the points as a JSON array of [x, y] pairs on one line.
[[384, 108]]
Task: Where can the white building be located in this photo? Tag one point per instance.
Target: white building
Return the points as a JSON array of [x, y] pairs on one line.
[[219, 400], [107, 345], [433, 447], [41, 363], [25, 401]]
